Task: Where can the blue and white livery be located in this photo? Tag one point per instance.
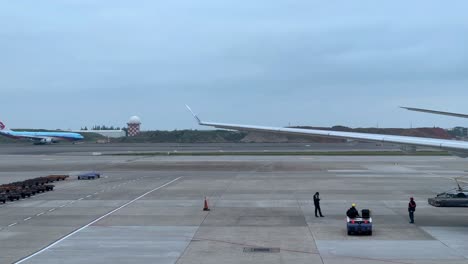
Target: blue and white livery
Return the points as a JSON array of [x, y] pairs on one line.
[[40, 138]]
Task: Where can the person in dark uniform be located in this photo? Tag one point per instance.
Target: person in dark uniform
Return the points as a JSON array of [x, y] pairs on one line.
[[411, 209], [317, 204], [352, 212]]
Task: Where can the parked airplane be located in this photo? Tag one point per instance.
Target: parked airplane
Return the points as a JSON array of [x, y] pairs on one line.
[[40, 138], [457, 148]]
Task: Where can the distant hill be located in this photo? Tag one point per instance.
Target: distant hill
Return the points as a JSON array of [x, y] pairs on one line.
[[434, 132], [415, 132]]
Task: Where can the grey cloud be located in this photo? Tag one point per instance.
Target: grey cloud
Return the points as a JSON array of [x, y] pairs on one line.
[[263, 62]]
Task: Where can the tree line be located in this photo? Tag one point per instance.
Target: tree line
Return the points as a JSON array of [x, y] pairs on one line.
[[102, 127]]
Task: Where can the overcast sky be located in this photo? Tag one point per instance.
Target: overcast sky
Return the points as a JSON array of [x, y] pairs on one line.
[[67, 64]]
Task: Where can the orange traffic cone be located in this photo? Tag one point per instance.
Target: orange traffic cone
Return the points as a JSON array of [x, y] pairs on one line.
[[205, 207]]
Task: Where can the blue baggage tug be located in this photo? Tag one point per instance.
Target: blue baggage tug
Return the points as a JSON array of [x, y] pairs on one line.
[[89, 175], [360, 225]]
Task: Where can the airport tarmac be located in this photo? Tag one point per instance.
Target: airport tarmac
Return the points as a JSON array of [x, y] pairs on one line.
[[63, 148], [149, 210]]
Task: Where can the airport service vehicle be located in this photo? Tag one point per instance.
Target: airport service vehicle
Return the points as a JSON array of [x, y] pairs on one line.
[[58, 177], [360, 225], [30, 187], [13, 195], [89, 176], [25, 193], [49, 187], [40, 138], [27, 188], [453, 198]]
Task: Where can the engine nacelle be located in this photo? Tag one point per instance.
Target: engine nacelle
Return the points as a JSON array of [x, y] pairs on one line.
[[46, 141]]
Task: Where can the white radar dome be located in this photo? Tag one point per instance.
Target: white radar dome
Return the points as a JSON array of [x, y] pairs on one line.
[[134, 120]]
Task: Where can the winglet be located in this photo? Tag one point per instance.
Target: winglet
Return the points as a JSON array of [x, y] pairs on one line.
[[194, 115]]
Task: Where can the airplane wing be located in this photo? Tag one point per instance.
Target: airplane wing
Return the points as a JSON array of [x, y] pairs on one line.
[[434, 112], [458, 148]]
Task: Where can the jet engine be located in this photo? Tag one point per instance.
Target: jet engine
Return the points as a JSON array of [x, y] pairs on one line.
[[44, 141]]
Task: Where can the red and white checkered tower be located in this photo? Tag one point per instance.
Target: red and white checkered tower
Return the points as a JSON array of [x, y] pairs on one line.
[[133, 126]]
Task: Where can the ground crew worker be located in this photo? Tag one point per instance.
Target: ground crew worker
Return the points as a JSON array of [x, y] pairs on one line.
[[317, 204], [411, 209], [352, 212]]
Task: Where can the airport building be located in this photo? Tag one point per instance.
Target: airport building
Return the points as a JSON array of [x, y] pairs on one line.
[[106, 133], [133, 129]]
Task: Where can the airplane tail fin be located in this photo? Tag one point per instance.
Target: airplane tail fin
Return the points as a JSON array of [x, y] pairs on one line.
[[3, 127]]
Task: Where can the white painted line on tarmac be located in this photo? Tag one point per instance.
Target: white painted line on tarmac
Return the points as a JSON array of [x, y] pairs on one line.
[[63, 205], [10, 225], [94, 221], [51, 210], [39, 214], [26, 219], [80, 199], [87, 196]]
